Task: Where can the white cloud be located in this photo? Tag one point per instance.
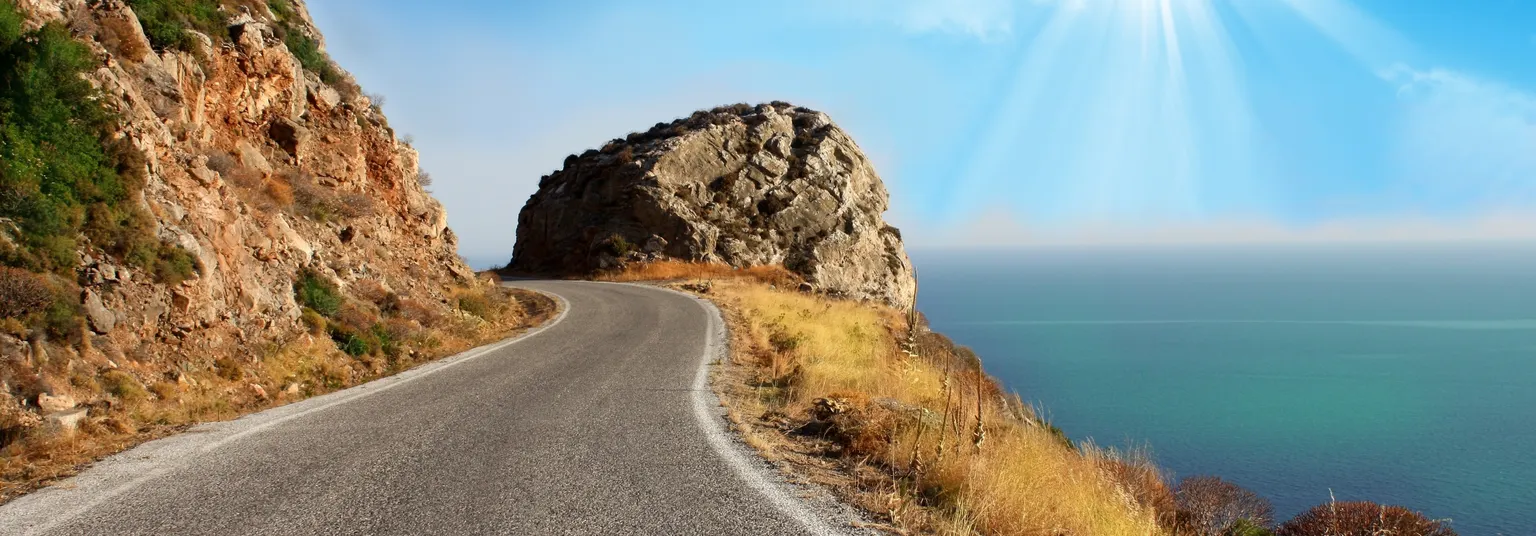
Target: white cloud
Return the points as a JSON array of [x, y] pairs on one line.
[[1465, 142]]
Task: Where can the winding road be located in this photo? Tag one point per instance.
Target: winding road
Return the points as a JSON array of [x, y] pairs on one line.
[[600, 422]]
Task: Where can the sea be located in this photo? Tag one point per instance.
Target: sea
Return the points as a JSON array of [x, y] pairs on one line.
[[1400, 374]]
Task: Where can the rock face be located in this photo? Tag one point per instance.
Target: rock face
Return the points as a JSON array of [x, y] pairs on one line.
[[741, 185], [259, 169]]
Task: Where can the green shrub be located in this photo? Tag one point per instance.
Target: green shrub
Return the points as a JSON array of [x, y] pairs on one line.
[[784, 341], [282, 9], [10, 24], [61, 319], [314, 291], [376, 339], [308, 52], [62, 174], [387, 342], [166, 22], [620, 246], [123, 386], [52, 158], [174, 265], [353, 344]]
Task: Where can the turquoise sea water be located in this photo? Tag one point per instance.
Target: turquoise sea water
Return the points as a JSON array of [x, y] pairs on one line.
[[1399, 374]]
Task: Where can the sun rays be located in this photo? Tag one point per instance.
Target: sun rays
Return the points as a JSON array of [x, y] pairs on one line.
[[1120, 133], [1150, 119]]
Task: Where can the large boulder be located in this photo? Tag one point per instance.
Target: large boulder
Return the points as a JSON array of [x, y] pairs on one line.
[[740, 185]]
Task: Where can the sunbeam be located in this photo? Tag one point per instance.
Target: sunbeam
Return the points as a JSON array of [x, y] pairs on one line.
[[1133, 134]]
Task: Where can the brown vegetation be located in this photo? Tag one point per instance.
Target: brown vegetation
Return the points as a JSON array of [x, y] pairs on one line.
[[22, 293], [1210, 506], [679, 271], [1362, 519], [133, 398]]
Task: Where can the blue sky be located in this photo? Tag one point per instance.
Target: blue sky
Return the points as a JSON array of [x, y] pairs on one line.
[[1002, 121]]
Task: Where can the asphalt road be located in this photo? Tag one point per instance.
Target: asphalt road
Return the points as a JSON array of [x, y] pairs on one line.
[[600, 423]]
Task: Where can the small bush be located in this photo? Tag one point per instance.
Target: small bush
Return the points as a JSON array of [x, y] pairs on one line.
[[174, 265], [281, 192], [1362, 519], [387, 340], [316, 292], [283, 10], [312, 321], [475, 304], [308, 52], [620, 246], [353, 344], [424, 179], [123, 386], [783, 341], [1211, 506], [378, 338], [166, 22], [22, 293], [355, 316], [61, 319]]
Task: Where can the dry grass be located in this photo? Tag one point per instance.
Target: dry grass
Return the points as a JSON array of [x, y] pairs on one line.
[[131, 401], [959, 456], [678, 270]]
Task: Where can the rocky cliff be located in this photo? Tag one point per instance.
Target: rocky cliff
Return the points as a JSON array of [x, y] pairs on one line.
[[257, 163], [739, 185]]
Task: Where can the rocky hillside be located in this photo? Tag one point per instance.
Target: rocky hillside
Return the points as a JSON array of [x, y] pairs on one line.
[[740, 185], [188, 185]]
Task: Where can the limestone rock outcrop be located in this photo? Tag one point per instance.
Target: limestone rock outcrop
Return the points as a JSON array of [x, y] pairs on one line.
[[772, 184], [260, 169]]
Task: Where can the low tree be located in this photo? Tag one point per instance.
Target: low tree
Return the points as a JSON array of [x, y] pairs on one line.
[[1210, 506], [1363, 519]]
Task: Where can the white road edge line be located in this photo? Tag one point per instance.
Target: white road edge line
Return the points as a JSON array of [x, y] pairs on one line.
[[351, 394], [716, 429]]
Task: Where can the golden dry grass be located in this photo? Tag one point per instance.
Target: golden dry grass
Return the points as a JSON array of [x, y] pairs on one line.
[[140, 401], [678, 270], [916, 416]]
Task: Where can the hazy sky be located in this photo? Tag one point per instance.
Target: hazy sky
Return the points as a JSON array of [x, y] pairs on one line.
[[1000, 121]]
